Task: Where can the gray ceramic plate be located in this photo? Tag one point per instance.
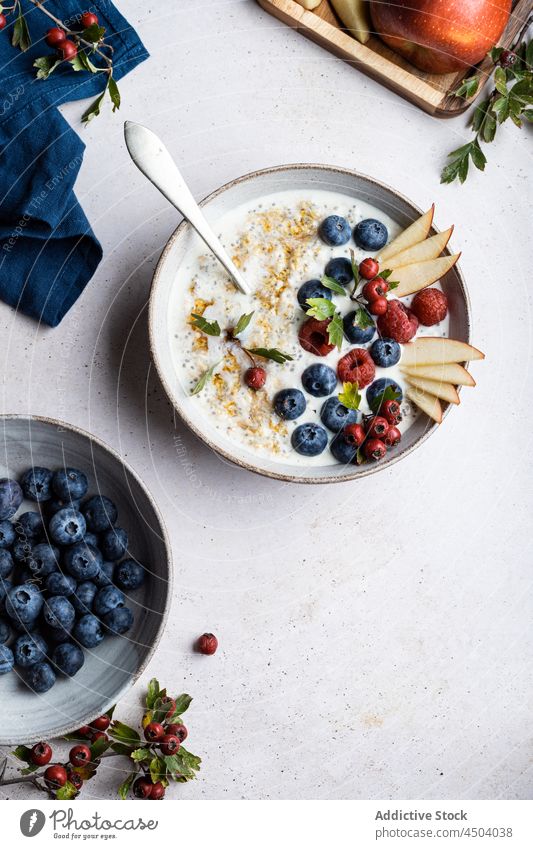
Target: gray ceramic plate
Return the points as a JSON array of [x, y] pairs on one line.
[[251, 188], [116, 663]]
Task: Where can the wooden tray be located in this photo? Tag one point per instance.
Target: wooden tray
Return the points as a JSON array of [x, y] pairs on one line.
[[431, 92]]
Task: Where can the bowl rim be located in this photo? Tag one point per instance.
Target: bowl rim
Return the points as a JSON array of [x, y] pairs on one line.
[[184, 225], [69, 729]]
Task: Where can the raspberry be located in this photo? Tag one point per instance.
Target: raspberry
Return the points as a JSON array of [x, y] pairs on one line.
[[357, 366], [314, 337], [430, 306], [398, 323]]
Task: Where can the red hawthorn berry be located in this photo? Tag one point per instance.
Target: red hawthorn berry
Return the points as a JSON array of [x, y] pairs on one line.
[[354, 434], [255, 377], [101, 723], [169, 744], [142, 788], [378, 307], [74, 778], [157, 791], [393, 437], [207, 644], [41, 754], [507, 59], [55, 776], [54, 37], [368, 268], [357, 366], [391, 410], [67, 50], [153, 731], [376, 288], [378, 427], [88, 19], [178, 730], [99, 735], [375, 449], [3, 21], [79, 755], [84, 731]]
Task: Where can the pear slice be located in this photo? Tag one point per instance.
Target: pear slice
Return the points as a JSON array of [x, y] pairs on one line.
[[437, 388], [309, 4], [412, 278], [435, 350], [423, 251], [429, 404], [446, 372], [355, 17], [416, 232]]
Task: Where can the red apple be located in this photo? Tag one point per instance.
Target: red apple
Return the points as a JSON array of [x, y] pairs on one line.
[[440, 36]]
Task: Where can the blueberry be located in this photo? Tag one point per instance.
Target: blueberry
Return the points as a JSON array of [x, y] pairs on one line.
[[100, 513], [309, 439], [5, 586], [335, 230], [69, 483], [114, 544], [105, 575], [43, 560], [343, 451], [289, 403], [56, 504], [335, 415], [91, 539], [83, 597], [119, 620], [7, 534], [29, 649], [340, 268], [6, 563], [376, 390], [24, 603], [370, 235], [11, 498], [40, 677], [68, 658], [58, 635], [36, 484], [319, 380], [354, 332], [21, 550], [67, 526], [385, 352], [59, 584], [59, 613], [5, 631], [7, 660], [88, 631], [29, 525], [107, 599], [312, 289], [83, 561], [129, 575]]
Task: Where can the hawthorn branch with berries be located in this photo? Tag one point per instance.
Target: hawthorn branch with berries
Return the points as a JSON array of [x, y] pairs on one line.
[[154, 761]]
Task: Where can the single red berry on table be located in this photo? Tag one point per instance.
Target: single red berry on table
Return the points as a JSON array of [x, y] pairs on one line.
[[378, 307], [99, 735], [142, 788], [375, 289], [430, 306], [392, 437], [313, 337], [178, 730], [398, 323], [84, 731], [207, 644], [354, 434], [41, 754], [255, 377], [74, 778], [153, 731], [55, 776], [375, 449], [79, 755], [101, 723], [378, 427], [391, 410], [54, 37], [3, 21], [88, 19], [157, 791], [67, 49], [368, 268], [357, 366], [169, 744]]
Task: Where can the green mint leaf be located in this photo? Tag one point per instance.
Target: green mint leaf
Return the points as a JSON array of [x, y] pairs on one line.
[[363, 319], [271, 354], [68, 791], [123, 734], [242, 323], [205, 378], [331, 283], [94, 33], [81, 62], [21, 35], [114, 93], [320, 308], [45, 65], [211, 328], [152, 693], [124, 788], [94, 109], [350, 396], [140, 755], [336, 331]]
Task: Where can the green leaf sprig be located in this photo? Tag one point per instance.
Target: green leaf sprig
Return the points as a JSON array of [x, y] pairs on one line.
[[511, 98], [350, 396]]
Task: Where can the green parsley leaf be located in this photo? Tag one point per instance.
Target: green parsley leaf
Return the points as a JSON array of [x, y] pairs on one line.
[[205, 378], [320, 308], [270, 354], [242, 323], [350, 396], [46, 65], [211, 328], [331, 283], [336, 331], [468, 87], [21, 34]]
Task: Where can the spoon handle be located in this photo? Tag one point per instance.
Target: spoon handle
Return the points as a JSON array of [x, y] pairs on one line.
[[153, 159]]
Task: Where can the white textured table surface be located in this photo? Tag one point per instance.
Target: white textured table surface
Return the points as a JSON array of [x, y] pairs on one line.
[[375, 637]]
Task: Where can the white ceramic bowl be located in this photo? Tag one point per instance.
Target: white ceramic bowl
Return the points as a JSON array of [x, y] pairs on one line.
[[251, 188], [116, 663]]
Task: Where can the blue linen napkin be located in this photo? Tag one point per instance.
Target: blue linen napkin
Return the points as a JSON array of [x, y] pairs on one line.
[[48, 252]]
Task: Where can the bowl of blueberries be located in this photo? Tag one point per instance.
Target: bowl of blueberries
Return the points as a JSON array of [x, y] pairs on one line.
[[85, 578]]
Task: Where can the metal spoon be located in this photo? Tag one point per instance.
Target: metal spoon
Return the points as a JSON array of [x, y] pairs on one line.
[[153, 159]]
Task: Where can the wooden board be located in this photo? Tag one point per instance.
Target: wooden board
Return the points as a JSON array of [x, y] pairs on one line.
[[431, 92]]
